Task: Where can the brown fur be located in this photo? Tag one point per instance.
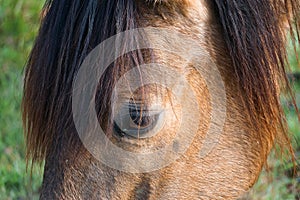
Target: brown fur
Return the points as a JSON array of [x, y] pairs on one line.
[[245, 38]]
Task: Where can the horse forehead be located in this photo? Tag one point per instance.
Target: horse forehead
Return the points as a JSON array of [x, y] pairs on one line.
[[198, 15], [200, 6], [192, 18], [178, 2]]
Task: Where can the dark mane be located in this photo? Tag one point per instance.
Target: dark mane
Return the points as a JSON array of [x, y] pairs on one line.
[[254, 32], [68, 32]]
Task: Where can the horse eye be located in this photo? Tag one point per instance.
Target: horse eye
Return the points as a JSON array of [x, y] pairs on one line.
[[140, 117], [137, 121]]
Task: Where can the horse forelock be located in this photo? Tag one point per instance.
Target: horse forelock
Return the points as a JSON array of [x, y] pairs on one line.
[[68, 32], [253, 31]]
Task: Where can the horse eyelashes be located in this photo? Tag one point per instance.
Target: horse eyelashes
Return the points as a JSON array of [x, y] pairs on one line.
[[136, 120]]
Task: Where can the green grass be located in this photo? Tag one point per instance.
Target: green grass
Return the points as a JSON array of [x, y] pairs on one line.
[[19, 24], [18, 27]]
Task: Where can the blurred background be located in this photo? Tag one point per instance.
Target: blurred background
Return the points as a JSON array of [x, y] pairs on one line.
[[19, 21]]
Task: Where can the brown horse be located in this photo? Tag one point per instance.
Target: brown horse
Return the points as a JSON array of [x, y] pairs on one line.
[[244, 39]]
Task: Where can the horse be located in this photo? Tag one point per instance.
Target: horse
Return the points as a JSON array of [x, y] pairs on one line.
[[242, 46]]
